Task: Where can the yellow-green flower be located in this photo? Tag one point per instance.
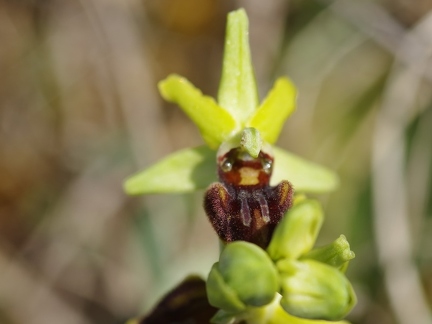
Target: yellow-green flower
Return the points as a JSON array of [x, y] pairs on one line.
[[289, 282], [237, 117]]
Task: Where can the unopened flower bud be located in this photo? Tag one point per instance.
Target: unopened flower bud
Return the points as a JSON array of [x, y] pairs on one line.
[[244, 276], [314, 290], [336, 254], [296, 233]]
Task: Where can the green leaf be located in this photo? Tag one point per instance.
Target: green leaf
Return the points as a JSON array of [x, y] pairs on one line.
[[215, 123], [182, 171], [304, 175], [275, 109], [314, 290], [296, 233], [237, 90]]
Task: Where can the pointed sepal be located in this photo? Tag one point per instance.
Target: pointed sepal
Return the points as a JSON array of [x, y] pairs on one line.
[[182, 171], [237, 90], [304, 175]]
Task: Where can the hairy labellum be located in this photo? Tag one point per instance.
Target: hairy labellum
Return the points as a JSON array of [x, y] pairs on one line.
[[186, 303], [243, 205]]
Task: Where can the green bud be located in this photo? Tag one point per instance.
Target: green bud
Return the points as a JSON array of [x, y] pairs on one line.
[[336, 254], [244, 275], [314, 290], [220, 294], [223, 317], [296, 233]]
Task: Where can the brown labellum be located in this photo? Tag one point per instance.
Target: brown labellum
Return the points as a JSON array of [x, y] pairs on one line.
[[243, 205], [187, 303]]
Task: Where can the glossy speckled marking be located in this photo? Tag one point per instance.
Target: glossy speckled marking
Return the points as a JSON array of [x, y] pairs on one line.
[[243, 205]]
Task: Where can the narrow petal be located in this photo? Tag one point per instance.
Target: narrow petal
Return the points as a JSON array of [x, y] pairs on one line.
[[304, 175], [183, 171], [275, 109], [296, 233], [215, 123], [237, 90]]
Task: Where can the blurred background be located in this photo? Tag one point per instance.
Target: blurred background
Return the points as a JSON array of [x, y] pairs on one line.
[[80, 111]]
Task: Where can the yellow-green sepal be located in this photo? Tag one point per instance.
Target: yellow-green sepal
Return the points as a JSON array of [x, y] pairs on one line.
[[279, 104], [237, 89], [183, 171], [214, 122], [304, 175]]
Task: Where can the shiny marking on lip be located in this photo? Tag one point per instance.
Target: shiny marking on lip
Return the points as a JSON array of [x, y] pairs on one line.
[[284, 192], [245, 211], [265, 213], [248, 176]]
